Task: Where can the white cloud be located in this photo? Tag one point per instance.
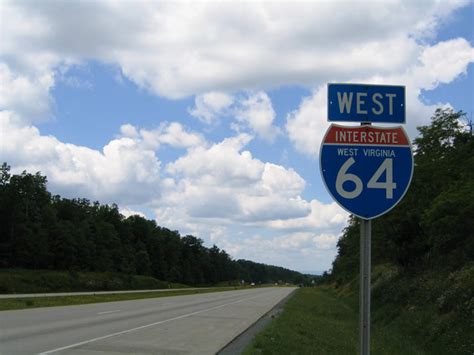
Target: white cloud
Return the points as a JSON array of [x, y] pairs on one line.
[[127, 212], [175, 49], [257, 113], [123, 172], [306, 126], [172, 134], [176, 136], [250, 111], [285, 182], [27, 95], [223, 164], [440, 63], [306, 240], [129, 131], [127, 170], [322, 216], [224, 181], [211, 105], [299, 250], [258, 208]]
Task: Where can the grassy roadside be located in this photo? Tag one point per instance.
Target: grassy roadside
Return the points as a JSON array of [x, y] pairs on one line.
[[317, 321], [23, 303], [46, 281]]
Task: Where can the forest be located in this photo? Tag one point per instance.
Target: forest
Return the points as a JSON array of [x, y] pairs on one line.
[[41, 231], [423, 249], [433, 226]]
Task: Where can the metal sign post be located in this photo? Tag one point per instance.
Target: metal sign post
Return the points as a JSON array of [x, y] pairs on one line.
[[365, 278], [364, 298]]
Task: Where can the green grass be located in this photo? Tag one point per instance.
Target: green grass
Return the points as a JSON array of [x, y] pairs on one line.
[[432, 309], [50, 281], [33, 302], [45, 281], [317, 321]]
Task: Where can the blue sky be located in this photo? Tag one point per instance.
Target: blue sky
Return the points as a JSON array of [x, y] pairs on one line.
[[208, 117]]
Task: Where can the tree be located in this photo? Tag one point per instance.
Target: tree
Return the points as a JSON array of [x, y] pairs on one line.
[[43, 231], [432, 225]]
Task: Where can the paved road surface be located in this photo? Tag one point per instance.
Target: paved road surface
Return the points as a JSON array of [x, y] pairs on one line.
[[58, 294], [197, 324]]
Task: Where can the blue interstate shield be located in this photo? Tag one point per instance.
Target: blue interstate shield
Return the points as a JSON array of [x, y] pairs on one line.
[[366, 169]]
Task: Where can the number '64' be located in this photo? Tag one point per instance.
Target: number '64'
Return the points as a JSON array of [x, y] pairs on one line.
[[388, 185]]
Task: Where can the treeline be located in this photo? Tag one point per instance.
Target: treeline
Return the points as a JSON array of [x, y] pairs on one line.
[[423, 250], [41, 231]]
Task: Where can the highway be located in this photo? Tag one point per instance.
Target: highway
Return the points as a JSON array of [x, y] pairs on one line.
[[193, 324], [61, 294]]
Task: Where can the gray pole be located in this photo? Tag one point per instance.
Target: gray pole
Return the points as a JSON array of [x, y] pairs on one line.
[[364, 298]]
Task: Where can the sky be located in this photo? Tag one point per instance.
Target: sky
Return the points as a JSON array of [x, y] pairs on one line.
[[208, 116]]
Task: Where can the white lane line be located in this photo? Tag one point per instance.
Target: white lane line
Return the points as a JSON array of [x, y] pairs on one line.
[[107, 312], [143, 326]]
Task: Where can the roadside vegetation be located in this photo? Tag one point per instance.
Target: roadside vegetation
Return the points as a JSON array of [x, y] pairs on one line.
[[318, 321], [34, 302], [422, 265], [47, 281], [313, 322]]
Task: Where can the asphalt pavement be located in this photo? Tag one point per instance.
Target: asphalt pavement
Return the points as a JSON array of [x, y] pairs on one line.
[[193, 324], [61, 294]]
